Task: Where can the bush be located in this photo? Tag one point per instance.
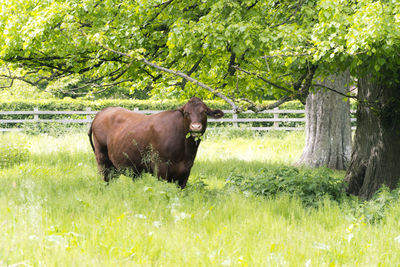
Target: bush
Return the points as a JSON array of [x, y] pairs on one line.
[[73, 104], [80, 105], [309, 185]]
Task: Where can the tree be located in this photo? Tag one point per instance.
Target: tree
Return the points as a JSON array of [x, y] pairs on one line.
[[375, 159], [365, 36], [328, 126]]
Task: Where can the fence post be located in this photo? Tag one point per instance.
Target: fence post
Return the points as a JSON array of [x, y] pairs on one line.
[[234, 117], [88, 117], [276, 117], [35, 115]]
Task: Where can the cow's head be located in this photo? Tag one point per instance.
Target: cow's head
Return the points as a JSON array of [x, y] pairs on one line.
[[195, 114]]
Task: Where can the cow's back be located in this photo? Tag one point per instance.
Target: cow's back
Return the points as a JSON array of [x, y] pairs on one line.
[[108, 122], [134, 139]]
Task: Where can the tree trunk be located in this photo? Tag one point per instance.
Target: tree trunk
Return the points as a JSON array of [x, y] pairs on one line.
[[328, 126], [376, 152]]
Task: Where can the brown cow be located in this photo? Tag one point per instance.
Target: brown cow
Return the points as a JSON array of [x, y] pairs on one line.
[[164, 144]]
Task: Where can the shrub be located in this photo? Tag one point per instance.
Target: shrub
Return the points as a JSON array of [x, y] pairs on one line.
[[309, 185], [79, 105], [73, 104]]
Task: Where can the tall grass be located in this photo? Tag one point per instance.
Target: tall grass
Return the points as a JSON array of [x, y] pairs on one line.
[[56, 211]]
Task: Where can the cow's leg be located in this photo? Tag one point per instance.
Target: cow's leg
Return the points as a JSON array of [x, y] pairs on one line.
[[184, 173], [178, 173], [183, 180], [105, 166], [160, 170], [131, 172]]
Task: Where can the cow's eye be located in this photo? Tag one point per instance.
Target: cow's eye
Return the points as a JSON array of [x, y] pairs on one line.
[[186, 113]]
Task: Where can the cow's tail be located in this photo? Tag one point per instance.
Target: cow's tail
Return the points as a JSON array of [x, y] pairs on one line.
[[90, 137]]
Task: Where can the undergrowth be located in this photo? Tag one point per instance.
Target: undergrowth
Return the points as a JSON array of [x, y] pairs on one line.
[[309, 185]]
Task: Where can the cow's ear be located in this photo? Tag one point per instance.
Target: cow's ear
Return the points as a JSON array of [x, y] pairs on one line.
[[182, 109], [215, 113]]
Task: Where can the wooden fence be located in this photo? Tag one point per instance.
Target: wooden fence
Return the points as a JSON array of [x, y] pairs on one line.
[[276, 119]]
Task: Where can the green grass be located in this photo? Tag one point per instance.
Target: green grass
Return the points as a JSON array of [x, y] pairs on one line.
[[56, 211]]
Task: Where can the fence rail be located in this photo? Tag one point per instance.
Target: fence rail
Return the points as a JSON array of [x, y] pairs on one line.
[[275, 119]]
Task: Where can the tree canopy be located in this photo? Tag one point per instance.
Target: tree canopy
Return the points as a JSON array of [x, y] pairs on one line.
[[207, 40], [364, 35], [242, 49]]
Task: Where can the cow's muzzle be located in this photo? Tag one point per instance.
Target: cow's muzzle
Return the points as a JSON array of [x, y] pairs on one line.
[[195, 129]]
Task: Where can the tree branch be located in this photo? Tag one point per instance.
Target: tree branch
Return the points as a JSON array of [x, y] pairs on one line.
[[264, 80], [194, 81], [24, 79], [163, 6], [333, 90], [253, 5], [175, 73], [104, 86], [300, 3], [7, 78], [231, 64], [258, 108], [303, 89], [8, 86], [289, 55], [164, 3], [190, 72]]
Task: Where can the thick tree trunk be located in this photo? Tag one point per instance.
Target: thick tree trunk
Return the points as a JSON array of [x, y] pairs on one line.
[[328, 126], [376, 152]]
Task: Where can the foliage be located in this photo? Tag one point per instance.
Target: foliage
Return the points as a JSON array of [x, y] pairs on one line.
[[20, 90], [276, 42], [363, 35], [376, 209], [310, 186], [75, 87], [206, 40]]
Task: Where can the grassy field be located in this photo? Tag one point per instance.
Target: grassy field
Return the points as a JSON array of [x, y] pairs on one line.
[[56, 211]]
